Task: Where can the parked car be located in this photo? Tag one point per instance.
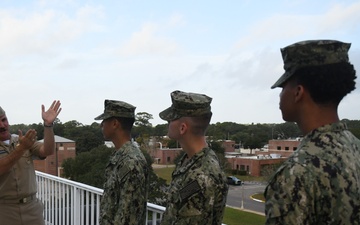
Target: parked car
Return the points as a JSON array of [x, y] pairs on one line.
[[234, 180]]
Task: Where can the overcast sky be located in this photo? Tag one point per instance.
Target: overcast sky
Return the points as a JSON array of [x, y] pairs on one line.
[[83, 52]]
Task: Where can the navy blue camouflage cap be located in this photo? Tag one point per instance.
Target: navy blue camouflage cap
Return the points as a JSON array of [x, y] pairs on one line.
[[311, 53], [186, 104], [2, 112], [115, 108]]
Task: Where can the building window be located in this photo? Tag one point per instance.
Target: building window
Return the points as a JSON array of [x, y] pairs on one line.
[[286, 148], [168, 159], [247, 168], [242, 167], [294, 148], [278, 147]]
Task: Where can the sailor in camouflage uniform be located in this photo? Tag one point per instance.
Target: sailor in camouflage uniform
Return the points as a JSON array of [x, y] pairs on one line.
[[197, 193], [320, 182], [125, 191]]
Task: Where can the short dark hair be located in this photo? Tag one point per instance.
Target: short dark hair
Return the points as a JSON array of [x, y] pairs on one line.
[[199, 124], [327, 84], [126, 123]]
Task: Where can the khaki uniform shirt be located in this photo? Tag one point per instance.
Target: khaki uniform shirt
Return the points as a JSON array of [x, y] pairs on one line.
[[20, 180], [125, 191], [319, 183], [197, 193]]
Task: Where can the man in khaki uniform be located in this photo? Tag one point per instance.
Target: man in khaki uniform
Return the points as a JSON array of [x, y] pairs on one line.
[[18, 202]]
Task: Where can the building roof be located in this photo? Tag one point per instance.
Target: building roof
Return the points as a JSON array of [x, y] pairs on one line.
[[59, 139]]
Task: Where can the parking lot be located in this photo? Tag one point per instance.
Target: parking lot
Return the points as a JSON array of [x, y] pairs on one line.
[[240, 196]]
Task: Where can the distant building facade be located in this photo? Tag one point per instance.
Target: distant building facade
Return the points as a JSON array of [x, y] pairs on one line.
[[64, 149], [228, 145], [264, 160], [256, 162], [283, 147], [254, 165], [165, 156]]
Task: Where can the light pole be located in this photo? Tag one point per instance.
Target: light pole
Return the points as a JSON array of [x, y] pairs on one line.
[[242, 197]]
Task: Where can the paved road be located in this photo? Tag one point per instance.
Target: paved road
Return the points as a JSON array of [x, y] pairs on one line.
[[236, 194]]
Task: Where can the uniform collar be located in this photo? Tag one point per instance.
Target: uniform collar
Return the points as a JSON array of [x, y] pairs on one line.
[[182, 166], [332, 127]]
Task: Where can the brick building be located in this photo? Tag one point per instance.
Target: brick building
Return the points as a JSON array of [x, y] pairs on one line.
[[254, 165], [283, 147], [64, 148], [165, 156], [263, 161], [228, 145]]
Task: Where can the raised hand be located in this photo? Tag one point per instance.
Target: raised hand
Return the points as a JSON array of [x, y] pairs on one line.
[[50, 115]]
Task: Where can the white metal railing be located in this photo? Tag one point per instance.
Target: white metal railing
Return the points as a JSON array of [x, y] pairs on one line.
[[68, 202]]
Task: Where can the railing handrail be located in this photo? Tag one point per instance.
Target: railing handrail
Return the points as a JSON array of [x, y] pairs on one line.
[[70, 202], [85, 187]]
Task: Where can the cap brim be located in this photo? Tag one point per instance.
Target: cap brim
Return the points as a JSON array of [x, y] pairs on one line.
[[282, 80], [168, 114], [102, 117]]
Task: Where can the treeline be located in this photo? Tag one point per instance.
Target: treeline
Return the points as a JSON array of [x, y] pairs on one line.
[[92, 155], [250, 136]]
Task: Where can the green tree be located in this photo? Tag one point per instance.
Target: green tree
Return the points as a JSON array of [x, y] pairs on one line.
[[353, 126], [286, 130], [142, 119], [220, 152], [14, 129], [142, 129], [88, 167], [160, 130], [86, 137], [90, 138]]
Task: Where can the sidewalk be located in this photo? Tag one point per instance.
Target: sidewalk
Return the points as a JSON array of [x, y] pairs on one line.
[[161, 165]]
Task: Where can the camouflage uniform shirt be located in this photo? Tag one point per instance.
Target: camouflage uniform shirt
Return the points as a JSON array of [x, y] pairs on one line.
[[125, 191], [320, 182], [197, 193]]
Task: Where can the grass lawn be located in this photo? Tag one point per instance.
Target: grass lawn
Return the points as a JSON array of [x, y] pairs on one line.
[[259, 196], [238, 217], [165, 173]]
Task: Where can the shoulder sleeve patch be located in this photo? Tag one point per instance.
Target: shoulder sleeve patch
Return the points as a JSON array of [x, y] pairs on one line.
[[189, 190], [124, 171]]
